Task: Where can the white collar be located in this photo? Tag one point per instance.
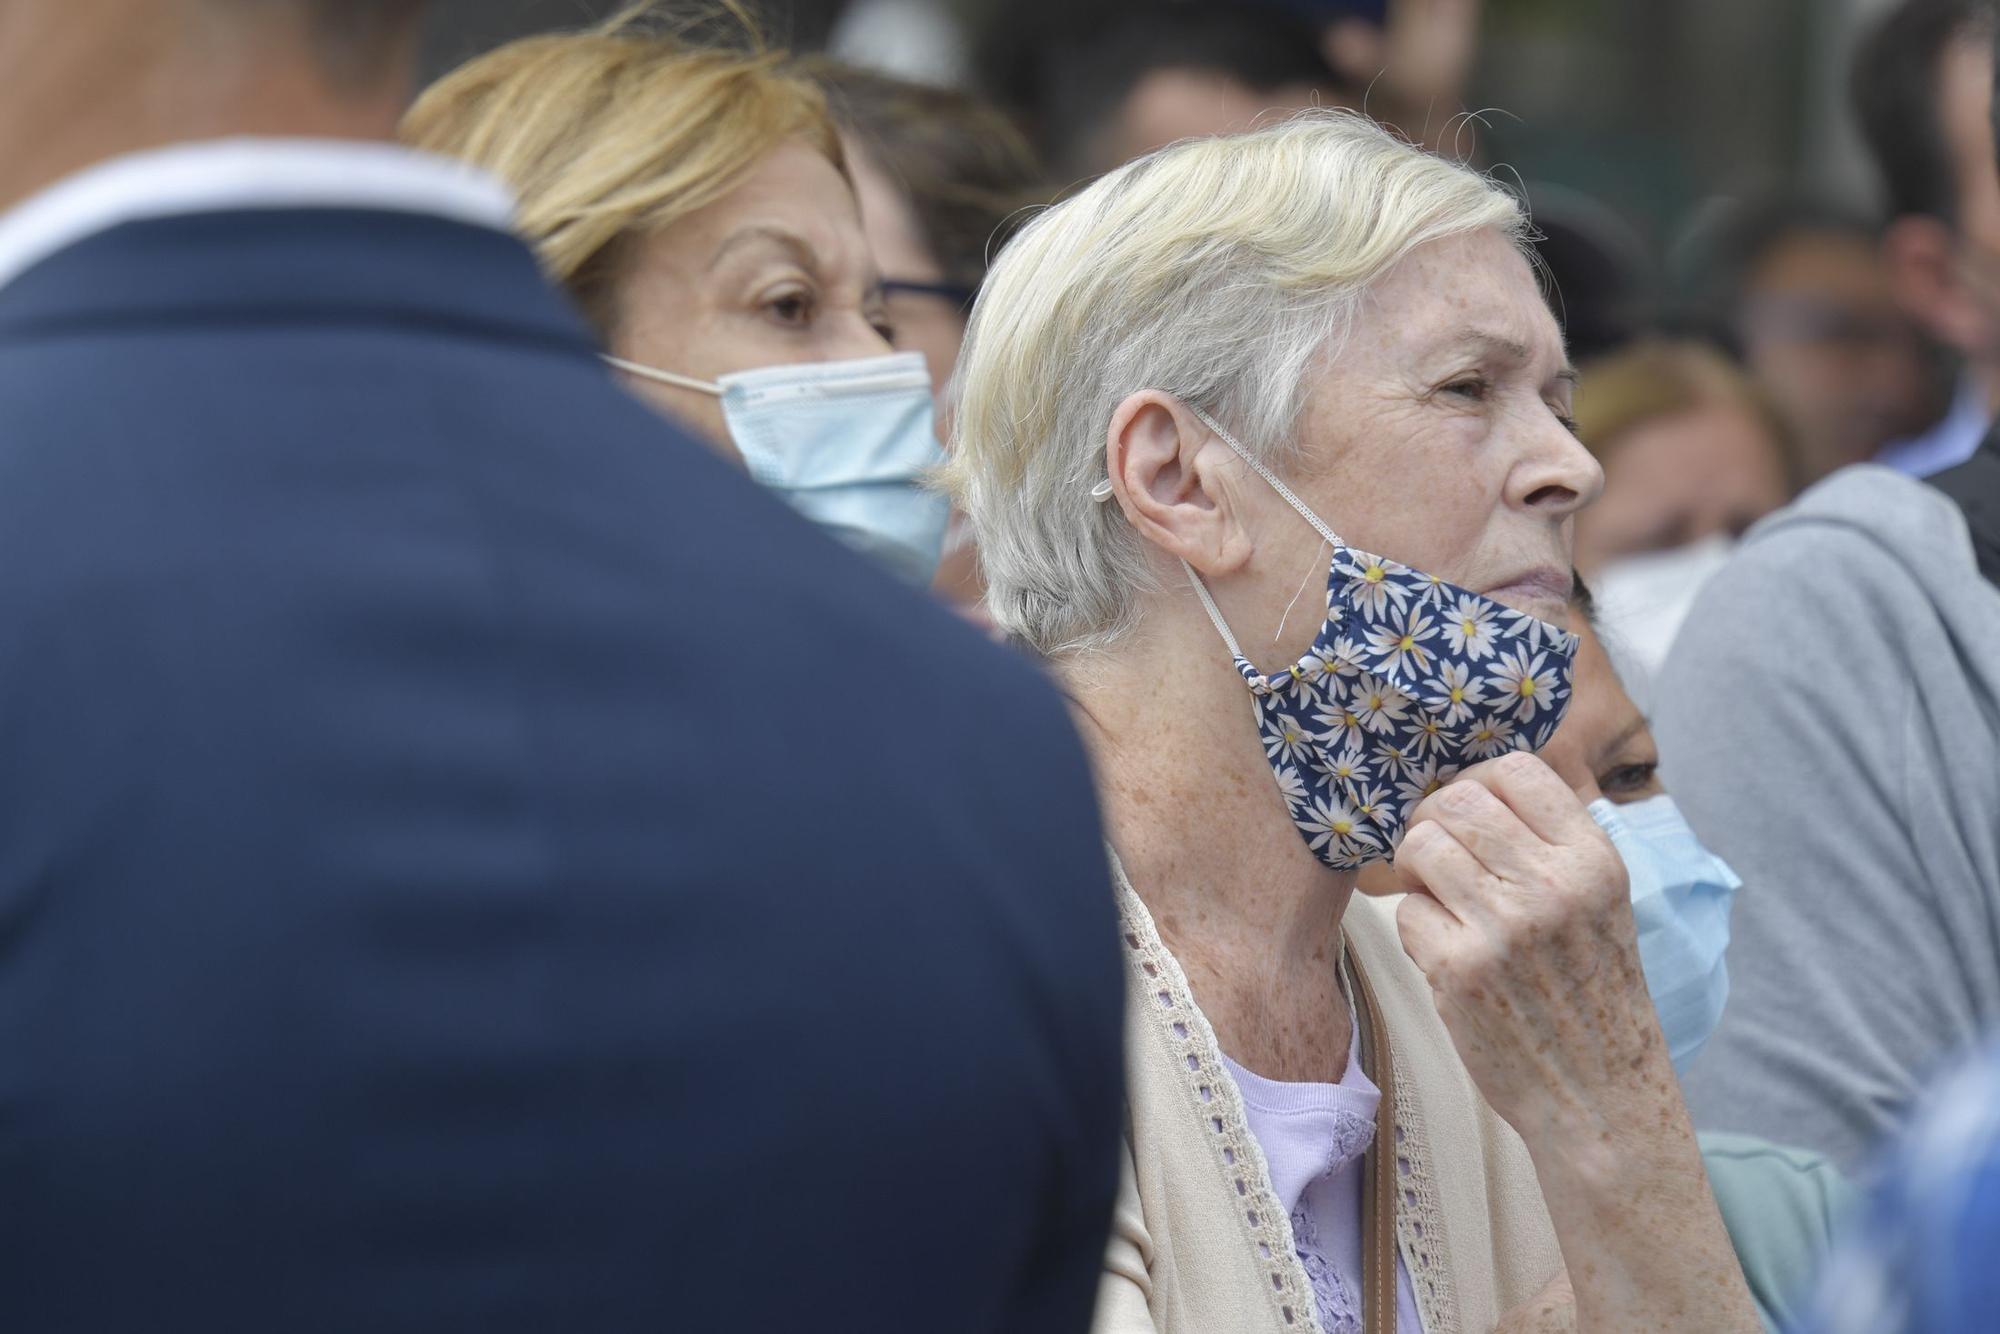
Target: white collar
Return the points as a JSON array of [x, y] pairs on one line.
[[223, 175]]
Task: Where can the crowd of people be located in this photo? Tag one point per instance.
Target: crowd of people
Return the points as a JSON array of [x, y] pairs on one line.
[[673, 684]]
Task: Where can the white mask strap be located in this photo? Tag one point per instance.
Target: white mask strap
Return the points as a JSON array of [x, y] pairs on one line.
[[664, 377], [1214, 612], [1268, 476], [1102, 492]]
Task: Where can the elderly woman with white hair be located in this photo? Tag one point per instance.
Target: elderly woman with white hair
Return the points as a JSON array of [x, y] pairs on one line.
[[1195, 400]]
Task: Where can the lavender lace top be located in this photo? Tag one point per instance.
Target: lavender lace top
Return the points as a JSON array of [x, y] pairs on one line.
[[1314, 1137]]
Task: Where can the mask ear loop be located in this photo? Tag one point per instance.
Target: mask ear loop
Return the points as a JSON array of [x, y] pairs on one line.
[[1103, 490], [1101, 494], [663, 377], [1269, 477]]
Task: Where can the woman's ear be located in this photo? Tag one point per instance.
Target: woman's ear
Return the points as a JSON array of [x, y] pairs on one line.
[[1175, 482]]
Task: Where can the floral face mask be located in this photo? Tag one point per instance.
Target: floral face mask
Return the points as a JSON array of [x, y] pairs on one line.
[[1409, 680]]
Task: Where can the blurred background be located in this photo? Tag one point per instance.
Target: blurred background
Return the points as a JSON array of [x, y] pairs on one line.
[[1651, 106], [1763, 277]]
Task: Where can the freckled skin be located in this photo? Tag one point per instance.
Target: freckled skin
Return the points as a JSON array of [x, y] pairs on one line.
[[1520, 920], [1455, 462], [1602, 750]]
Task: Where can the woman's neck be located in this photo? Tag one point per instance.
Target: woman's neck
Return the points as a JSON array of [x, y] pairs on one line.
[[1252, 916]]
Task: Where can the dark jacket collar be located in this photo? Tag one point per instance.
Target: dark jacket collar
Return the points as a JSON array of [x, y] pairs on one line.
[[291, 266], [1975, 486]]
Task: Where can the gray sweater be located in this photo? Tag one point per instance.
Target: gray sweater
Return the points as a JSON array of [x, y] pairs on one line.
[[1829, 720]]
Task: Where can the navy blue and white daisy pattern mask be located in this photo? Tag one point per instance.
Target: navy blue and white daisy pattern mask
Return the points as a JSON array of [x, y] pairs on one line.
[[1410, 680]]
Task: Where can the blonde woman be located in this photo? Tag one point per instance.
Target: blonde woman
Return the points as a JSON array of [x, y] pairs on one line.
[[1691, 450], [1693, 454], [695, 202], [1264, 443]]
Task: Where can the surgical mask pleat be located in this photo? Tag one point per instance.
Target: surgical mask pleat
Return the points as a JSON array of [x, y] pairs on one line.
[[849, 444]]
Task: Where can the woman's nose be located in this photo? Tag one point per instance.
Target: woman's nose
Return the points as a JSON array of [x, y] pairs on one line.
[[859, 338], [1556, 476]]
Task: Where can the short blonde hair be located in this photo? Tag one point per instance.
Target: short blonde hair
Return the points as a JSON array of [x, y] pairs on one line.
[[1222, 271], [615, 134]]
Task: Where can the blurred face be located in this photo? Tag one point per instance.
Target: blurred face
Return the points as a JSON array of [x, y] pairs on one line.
[[1679, 478], [924, 322], [1824, 336], [1947, 276], [1438, 437], [776, 272], [1169, 105], [1965, 108], [1603, 748]]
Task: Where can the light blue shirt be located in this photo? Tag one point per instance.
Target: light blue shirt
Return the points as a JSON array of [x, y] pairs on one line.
[[1947, 444]]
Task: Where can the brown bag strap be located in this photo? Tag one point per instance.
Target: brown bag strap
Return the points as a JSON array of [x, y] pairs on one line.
[[1378, 1188]]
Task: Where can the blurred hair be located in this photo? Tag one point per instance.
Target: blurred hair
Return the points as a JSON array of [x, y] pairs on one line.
[[1225, 271], [1993, 111], [1895, 90], [1716, 259], [613, 135], [1582, 599], [1664, 378], [959, 161], [1594, 270], [1067, 67]]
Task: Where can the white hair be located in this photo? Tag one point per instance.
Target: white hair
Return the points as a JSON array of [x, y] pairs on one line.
[[1218, 270]]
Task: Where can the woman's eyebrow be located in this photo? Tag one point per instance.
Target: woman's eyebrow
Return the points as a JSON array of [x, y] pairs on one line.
[[769, 234], [1503, 347], [1497, 345], [1625, 734]]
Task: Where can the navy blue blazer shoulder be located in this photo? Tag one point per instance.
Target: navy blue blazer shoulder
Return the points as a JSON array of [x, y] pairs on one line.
[[470, 860]]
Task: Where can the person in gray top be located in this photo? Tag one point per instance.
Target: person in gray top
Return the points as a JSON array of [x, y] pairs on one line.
[[1830, 721]]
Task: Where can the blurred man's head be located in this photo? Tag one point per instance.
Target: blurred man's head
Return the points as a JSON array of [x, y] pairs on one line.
[[1103, 84], [360, 43], [1923, 89], [357, 46], [1801, 290], [86, 80]]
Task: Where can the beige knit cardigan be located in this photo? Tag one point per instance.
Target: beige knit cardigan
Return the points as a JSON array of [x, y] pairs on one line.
[[1199, 1243]]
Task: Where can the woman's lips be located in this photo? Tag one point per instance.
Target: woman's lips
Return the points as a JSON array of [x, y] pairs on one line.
[[1537, 592]]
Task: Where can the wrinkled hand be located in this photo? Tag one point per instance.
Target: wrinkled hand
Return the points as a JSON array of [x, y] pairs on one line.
[[1518, 914]]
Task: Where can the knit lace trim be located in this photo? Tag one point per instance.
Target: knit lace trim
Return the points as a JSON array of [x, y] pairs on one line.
[[1338, 1304], [1213, 1099], [1419, 1219]]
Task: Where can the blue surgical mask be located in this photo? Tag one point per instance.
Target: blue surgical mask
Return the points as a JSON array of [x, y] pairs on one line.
[[1681, 894], [848, 443]]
